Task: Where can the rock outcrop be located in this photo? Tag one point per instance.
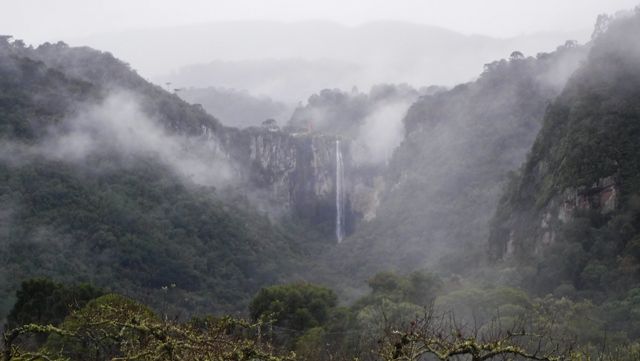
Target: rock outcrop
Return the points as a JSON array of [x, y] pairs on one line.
[[540, 229], [291, 174], [583, 172]]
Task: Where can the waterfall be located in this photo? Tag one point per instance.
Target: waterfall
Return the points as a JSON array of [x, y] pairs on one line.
[[339, 193]]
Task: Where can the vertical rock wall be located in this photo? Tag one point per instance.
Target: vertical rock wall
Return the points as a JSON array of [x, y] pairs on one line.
[[294, 172]]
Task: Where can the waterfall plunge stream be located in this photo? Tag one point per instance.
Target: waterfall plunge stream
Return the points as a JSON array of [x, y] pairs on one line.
[[339, 193]]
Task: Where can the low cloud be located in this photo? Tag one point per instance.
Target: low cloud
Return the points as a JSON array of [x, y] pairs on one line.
[[382, 131], [118, 126]]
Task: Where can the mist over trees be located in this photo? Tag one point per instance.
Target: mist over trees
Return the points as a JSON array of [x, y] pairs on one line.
[[372, 121], [494, 219], [446, 176], [93, 190], [581, 178]]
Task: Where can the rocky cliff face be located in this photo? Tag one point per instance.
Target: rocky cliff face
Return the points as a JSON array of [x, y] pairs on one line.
[[293, 174], [576, 200], [284, 173], [531, 232], [585, 159]]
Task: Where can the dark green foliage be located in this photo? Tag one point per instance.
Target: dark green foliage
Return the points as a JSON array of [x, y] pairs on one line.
[[136, 230], [586, 153], [420, 288], [111, 309], [42, 301], [33, 96], [40, 86], [114, 327], [118, 220], [298, 306], [128, 223], [353, 331], [444, 180]]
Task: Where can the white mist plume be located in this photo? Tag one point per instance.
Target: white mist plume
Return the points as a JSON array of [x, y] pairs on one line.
[[564, 66], [118, 125], [382, 131]]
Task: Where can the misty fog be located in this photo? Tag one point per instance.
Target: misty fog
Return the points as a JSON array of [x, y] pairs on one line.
[[357, 180], [118, 126], [290, 61]]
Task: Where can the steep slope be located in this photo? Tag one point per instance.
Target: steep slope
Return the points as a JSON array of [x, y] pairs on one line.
[[258, 162], [369, 125], [445, 178], [23, 77], [107, 72], [109, 179], [571, 219], [289, 175]]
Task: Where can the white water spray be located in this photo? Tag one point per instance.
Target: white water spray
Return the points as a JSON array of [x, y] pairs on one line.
[[339, 193]]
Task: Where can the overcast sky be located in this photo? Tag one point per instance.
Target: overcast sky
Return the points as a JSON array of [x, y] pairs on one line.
[[47, 20]]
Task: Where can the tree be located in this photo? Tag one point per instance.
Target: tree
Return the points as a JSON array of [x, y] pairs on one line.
[[4, 40], [268, 123], [602, 24], [443, 338], [114, 327], [419, 288], [42, 301], [298, 306], [516, 55]]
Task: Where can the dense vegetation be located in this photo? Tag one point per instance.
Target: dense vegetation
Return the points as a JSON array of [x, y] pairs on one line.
[[340, 112], [121, 220], [296, 306], [387, 324], [33, 96], [558, 279], [444, 180], [113, 327], [44, 302], [139, 226], [573, 214]]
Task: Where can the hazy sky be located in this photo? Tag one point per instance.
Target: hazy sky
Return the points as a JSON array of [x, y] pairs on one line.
[[39, 20]]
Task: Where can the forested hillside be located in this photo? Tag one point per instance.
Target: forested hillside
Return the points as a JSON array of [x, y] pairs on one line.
[[498, 219], [570, 219], [445, 178], [90, 193]]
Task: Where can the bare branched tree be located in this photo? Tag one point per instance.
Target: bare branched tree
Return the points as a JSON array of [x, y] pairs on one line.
[[442, 337], [118, 332]]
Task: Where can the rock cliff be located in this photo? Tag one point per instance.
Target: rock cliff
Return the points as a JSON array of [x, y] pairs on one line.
[[576, 200], [292, 174]]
